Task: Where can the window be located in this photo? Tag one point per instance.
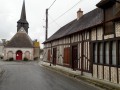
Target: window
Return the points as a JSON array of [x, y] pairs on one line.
[[107, 53], [101, 53], [95, 53], [113, 53]]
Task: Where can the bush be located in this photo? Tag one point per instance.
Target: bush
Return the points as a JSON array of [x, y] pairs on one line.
[[7, 60], [36, 58], [25, 59], [1, 57], [10, 59]]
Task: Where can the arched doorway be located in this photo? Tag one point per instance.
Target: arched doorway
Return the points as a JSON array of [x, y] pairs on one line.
[[27, 55], [9, 55], [19, 55]]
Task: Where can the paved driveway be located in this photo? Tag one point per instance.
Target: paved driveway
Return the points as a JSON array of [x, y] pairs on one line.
[[31, 76]]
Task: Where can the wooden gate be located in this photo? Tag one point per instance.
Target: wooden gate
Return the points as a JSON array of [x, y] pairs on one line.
[[74, 57], [54, 55]]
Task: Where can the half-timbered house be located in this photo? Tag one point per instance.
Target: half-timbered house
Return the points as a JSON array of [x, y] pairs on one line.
[[90, 43]]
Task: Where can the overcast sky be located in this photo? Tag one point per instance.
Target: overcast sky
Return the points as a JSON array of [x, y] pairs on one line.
[[10, 11]]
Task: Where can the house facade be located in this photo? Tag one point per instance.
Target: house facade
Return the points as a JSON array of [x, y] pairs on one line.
[[90, 43]]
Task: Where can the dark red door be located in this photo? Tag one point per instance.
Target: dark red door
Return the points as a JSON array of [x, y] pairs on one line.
[[19, 55], [54, 55], [74, 57]]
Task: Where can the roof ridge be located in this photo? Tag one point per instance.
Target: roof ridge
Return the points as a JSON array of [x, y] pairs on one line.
[[20, 40], [88, 20]]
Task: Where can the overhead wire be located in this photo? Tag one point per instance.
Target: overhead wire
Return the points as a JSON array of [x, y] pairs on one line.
[[54, 21], [51, 5], [66, 11]]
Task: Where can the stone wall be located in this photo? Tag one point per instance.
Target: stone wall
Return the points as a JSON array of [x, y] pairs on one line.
[[36, 53]]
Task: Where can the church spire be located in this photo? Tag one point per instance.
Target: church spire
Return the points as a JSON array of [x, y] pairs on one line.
[[23, 13], [23, 22]]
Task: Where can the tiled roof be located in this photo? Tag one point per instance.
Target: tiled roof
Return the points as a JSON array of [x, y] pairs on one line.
[[20, 40], [88, 20]]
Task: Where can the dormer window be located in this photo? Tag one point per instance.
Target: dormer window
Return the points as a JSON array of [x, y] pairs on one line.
[[108, 24], [108, 7]]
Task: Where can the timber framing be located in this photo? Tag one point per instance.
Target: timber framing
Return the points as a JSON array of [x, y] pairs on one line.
[[98, 48]]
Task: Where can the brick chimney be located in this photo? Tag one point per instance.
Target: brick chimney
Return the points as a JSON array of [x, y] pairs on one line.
[[79, 14]]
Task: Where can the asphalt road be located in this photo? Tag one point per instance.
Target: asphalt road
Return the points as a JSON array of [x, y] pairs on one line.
[[31, 76]]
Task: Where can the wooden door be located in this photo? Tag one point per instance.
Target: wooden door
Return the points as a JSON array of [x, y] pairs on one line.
[[19, 55], [74, 57], [54, 55]]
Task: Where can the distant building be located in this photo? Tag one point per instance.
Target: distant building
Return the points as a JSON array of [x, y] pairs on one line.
[[36, 45], [20, 47]]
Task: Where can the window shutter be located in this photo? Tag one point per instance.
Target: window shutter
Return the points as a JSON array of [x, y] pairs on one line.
[[67, 55]]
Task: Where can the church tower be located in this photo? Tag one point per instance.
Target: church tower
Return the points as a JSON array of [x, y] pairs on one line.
[[23, 22]]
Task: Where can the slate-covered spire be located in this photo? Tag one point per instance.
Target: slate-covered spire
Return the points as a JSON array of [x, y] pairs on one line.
[[23, 22], [23, 13]]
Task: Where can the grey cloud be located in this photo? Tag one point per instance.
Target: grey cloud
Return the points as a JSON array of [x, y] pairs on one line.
[[10, 13]]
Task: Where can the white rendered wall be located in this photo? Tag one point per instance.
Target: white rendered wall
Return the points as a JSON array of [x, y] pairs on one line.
[[14, 50]]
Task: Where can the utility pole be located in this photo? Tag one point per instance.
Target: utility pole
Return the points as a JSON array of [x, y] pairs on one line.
[[46, 36]]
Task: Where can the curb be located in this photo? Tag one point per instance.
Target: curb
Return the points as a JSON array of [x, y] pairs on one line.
[[98, 83]]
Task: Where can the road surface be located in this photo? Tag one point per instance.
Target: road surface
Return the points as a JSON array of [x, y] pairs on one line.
[[31, 76]]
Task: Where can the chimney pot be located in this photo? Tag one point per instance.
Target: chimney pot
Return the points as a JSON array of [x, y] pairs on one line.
[[79, 14]]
